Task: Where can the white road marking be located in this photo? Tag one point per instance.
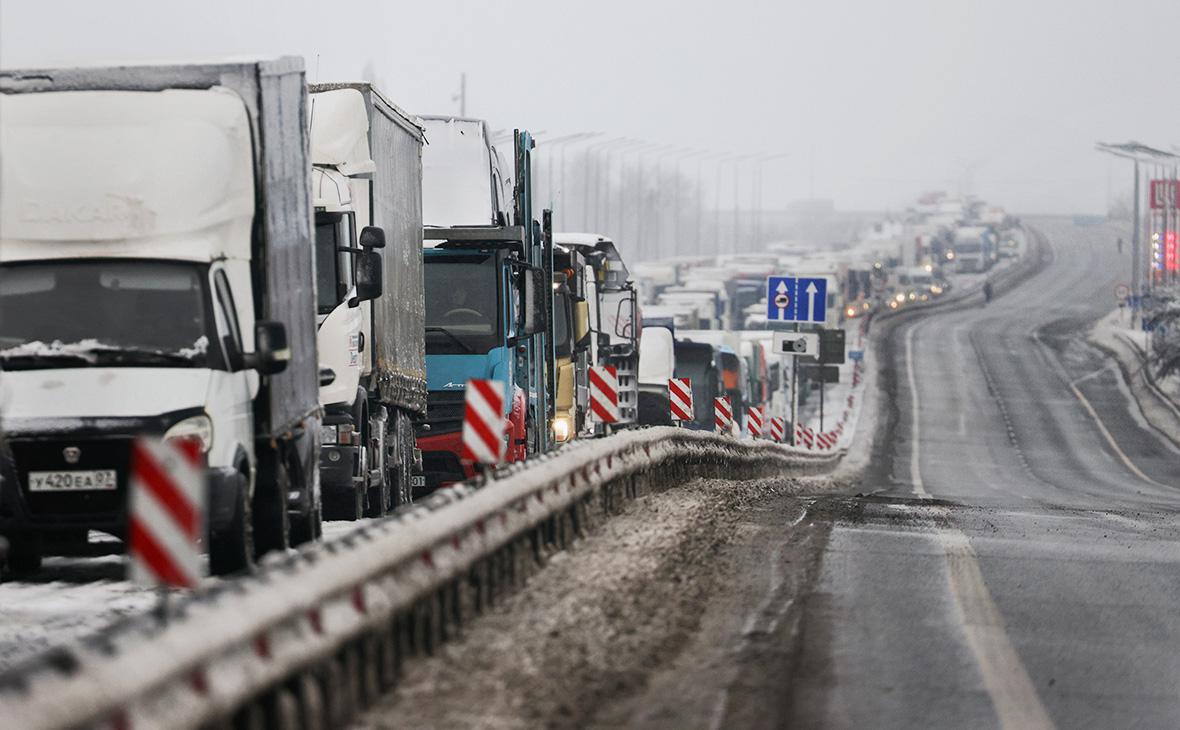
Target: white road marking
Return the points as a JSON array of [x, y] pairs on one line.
[[1051, 358], [1011, 690], [1110, 439], [915, 471], [1005, 677]]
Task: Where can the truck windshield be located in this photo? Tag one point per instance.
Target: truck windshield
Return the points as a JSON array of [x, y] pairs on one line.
[[562, 332], [104, 312], [462, 304], [333, 268]]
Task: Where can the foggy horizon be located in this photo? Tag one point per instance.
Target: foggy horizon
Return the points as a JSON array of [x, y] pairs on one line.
[[871, 104]]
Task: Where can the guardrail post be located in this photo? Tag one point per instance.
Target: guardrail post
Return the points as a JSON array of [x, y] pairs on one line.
[[313, 713]]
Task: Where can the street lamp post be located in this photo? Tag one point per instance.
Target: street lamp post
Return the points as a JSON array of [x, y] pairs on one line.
[[737, 198], [676, 202], [659, 162], [591, 149], [700, 242], [639, 191], [758, 201], [602, 182], [643, 147], [544, 145]]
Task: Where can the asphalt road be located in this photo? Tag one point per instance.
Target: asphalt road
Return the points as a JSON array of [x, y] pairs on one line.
[[1017, 562]]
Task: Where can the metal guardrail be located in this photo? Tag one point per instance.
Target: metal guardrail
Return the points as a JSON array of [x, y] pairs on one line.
[[317, 634]]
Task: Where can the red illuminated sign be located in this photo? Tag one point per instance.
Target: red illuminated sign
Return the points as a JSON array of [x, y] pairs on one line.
[[1163, 191], [1171, 254]]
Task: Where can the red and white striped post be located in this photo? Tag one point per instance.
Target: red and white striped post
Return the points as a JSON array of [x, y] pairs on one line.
[[777, 429], [167, 512], [483, 422], [723, 414], [604, 393], [754, 422], [680, 399]]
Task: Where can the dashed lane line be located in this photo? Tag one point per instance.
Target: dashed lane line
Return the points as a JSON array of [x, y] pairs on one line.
[[1008, 685]]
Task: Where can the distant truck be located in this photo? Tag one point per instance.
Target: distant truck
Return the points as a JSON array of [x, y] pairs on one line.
[[156, 278], [614, 315], [488, 279], [367, 190], [974, 248], [697, 361], [657, 365]]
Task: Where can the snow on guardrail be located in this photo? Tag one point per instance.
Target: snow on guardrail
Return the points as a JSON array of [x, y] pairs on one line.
[[316, 634]]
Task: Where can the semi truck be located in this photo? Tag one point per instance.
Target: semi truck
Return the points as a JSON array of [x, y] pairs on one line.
[[974, 249], [573, 282], [614, 316], [156, 279], [367, 194], [488, 275]]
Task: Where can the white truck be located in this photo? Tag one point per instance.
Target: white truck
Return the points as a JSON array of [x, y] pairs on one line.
[[156, 278], [974, 248], [367, 193]]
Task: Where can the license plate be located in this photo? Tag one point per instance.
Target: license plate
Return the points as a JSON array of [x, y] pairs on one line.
[[417, 481], [72, 481]]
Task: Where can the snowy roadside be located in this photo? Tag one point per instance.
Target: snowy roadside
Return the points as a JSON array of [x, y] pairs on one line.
[[1159, 401], [74, 597], [589, 630]]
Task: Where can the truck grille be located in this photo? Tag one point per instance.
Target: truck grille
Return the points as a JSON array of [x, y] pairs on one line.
[[444, 411], [48, 455]]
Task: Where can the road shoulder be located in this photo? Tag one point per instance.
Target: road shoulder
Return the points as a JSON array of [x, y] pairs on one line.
[[1161, 412]]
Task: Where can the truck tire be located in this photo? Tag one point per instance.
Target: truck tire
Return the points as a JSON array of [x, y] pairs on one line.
[[309, 526], [232, 550], [23, 557], [272, 524], [345, 505], [380, 496], [402, 469]]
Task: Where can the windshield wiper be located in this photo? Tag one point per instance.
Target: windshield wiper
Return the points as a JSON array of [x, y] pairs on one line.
[[33, 361], [140, 355], [453, 337]]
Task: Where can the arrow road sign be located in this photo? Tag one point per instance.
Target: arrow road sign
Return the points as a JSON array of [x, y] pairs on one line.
[[792, 299]]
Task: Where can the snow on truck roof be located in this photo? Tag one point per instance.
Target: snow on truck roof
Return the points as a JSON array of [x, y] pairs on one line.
[[457, 164], [170, 171], [340, 131]]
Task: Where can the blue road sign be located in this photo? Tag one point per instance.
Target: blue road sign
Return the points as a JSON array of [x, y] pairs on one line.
[[856, 355], [791, 299]]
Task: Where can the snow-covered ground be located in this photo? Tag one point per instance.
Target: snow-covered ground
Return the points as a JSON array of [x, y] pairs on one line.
[[73, 597]]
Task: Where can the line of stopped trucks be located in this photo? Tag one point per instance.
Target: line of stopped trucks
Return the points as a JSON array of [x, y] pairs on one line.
[[301, 280]]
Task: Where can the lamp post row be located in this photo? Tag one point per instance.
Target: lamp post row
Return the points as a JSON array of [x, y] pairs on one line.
[[596, 211]]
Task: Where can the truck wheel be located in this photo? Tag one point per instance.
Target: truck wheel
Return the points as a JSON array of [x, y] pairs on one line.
[[309, 527], [23, 557], [232, 550], [345, 505], [272, 524], [402, 468], [379, 497]]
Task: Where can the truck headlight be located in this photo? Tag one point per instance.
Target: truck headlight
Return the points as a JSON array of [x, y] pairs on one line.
[[562, 429], [327, 435], [197, 428]]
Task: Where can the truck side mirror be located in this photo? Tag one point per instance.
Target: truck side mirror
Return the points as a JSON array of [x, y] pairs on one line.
[[369, 277], [271, 352], [582, 325], [372, 237], [536, 288], [327, 375]]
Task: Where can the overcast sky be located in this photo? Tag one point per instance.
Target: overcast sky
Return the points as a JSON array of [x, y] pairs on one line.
[[1003, 98]]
